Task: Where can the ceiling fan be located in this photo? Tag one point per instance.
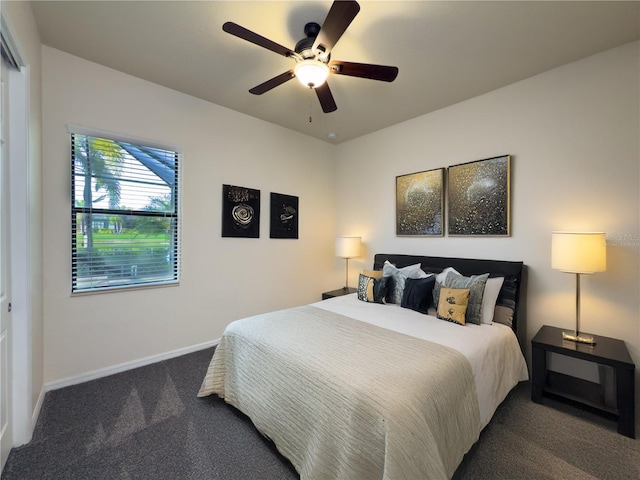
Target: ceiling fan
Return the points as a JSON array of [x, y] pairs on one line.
[[313, 55]]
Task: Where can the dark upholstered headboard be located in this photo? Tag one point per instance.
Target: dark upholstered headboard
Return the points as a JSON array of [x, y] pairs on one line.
[[511, 271]]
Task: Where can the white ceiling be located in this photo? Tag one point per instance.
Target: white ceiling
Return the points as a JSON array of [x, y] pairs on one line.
[[446, 51]]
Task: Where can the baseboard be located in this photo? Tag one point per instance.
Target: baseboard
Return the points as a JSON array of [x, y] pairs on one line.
[[123, 367], [36, 409]]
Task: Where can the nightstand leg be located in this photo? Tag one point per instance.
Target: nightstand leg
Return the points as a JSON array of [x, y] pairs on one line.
[[626, 402], [539, 374]]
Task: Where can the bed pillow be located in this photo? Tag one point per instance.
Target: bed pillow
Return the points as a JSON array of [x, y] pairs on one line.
[[440, 278], [372, 273], [397, 278], [417, 293], [504, 315], [453, 304], [491, 292], [372, 290], [475, 284]]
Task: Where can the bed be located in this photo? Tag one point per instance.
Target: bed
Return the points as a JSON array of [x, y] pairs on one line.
[[354, 389]]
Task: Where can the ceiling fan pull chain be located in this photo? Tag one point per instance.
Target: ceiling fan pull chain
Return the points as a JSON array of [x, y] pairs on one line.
[[310, 119]]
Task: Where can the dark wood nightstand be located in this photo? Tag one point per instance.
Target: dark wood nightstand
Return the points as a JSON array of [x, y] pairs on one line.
[[338, 293], [606, 351]]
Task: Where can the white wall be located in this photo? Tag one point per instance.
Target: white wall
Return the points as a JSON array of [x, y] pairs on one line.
[[573, 134], [223, 279]]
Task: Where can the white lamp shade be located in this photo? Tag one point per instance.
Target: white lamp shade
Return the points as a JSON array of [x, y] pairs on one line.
[[579, 252], [311, 73], [348, 247]]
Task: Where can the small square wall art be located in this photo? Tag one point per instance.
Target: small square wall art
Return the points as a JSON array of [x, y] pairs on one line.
[[240, 212], [284, 216]]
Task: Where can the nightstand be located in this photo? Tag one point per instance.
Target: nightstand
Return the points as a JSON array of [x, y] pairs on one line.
[[606, 351], [338, 293]]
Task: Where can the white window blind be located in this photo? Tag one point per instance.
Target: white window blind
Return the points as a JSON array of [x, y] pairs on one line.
[[124, 214]]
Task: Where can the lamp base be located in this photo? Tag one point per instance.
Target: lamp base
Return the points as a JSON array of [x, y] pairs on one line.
[[578, 338]]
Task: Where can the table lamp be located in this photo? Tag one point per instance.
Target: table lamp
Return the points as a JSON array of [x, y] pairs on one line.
[[348, 247], [579, 253]]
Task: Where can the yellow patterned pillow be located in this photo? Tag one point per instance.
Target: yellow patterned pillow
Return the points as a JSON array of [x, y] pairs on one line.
[[453, 304], [372, 273]]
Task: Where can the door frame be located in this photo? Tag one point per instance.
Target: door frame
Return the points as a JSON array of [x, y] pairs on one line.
[[19, 230], [23, 414]]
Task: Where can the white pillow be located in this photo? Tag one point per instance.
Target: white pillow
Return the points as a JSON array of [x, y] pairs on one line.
[[440, 278], [412, 271], [491, 292]]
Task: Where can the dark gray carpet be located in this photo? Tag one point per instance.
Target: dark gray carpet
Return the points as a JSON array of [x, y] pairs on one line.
[[148, 424]]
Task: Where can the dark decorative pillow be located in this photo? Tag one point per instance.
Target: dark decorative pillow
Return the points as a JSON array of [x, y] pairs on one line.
[[397, 277], [372, 290], [453, 304], [417, 293], [475, 284]]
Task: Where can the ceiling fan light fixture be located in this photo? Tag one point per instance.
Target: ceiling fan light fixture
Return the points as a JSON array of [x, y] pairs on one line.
[[311, 73]]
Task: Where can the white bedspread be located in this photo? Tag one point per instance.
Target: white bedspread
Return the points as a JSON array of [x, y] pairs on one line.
[[492, 350], [343, 399]]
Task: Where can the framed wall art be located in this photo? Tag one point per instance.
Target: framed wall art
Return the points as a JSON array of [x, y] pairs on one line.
[[240, 212], [420, 203], [478, 201], [284, 216]]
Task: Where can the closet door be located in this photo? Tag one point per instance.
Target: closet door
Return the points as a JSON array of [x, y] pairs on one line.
[[6, 435]]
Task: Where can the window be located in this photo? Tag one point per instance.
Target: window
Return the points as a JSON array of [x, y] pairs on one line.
[[124, 214]]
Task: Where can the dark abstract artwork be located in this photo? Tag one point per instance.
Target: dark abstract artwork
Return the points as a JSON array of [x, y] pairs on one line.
[[419, 203], [240, 212], [479, 197], [284, 216]]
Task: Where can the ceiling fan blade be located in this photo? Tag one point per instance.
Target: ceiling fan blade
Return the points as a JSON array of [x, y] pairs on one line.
[[325, 96], [338, 19], [364, 70], [272, 83], [249, 36]]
